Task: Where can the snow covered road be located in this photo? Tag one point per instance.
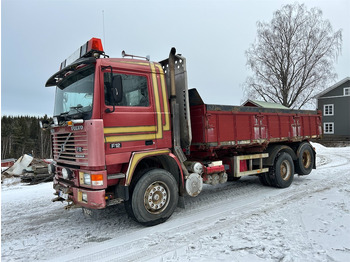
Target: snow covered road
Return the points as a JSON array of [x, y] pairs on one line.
[[237, 221]]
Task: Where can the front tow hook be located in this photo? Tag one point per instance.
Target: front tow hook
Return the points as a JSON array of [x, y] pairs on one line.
[[58, 199]]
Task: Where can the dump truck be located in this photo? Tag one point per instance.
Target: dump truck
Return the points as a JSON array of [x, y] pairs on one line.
[[128, 131]]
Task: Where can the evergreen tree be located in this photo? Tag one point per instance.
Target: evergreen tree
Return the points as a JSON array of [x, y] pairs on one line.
[[22, 135]]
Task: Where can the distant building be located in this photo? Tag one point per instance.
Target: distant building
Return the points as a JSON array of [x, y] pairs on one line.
[[334, 102]]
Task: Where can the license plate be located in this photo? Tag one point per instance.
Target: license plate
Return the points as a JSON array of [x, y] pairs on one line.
[[63, 195]]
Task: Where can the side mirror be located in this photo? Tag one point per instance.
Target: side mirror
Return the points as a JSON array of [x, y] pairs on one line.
[[44, 124], [117, 89]]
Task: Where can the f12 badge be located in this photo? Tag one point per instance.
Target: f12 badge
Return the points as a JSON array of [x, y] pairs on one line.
[[115, 145]]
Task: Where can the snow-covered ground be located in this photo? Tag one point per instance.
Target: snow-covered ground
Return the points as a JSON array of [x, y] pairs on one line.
[[236, 221]]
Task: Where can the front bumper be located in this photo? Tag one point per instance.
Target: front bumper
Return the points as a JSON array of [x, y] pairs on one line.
[[73, 189], [93, 199]]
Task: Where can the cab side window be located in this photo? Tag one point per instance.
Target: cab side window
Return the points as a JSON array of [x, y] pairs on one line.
[[135, 90]]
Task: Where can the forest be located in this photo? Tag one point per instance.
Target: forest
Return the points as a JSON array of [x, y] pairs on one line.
[[23, 135]]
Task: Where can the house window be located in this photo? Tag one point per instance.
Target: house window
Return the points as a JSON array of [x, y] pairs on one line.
[[328, 128], [328, 110], [347, 91]]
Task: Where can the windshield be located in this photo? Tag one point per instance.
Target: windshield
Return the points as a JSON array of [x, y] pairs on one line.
[[74, 95]]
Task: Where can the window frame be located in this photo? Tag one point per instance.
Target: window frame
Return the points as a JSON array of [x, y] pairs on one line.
[[324, 110], [346, 89], [149, 95], [326, 130]]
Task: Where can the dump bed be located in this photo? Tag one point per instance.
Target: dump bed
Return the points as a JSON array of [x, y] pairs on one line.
[[240, 126]]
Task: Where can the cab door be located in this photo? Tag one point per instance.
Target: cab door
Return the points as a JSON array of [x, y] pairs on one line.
[[131, 125]]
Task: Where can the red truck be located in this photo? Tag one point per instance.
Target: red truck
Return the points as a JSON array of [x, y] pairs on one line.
[[129, 131]]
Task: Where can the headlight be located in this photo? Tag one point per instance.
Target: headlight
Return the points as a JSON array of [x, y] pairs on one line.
[[65, 173], [87, 179]]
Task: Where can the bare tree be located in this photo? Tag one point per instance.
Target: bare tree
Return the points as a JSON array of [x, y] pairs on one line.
[[292, 58]]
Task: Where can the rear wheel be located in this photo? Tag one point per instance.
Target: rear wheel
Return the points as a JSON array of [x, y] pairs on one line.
[[283, 171], [154, 197], [265, 179], [230, 178], [306, 160]]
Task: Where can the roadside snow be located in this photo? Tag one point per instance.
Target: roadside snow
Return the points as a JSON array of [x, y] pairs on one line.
[[240, 221]]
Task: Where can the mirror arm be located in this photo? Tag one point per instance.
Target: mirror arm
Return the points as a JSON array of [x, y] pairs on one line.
[[110, 111]]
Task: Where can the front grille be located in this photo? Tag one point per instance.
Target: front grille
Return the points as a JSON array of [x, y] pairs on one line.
[[70, 148]]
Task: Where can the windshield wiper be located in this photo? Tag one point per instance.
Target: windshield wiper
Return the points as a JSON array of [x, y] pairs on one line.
[[73, 113], [78, 107], [63, 115], [80, 111]]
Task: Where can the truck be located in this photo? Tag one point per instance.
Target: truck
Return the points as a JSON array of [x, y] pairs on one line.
[[128, 131]]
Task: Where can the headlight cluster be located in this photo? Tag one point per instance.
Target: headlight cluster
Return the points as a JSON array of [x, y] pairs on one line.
[[91, 179]]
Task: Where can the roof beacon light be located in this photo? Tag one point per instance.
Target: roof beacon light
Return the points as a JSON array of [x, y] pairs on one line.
[[92, 48]]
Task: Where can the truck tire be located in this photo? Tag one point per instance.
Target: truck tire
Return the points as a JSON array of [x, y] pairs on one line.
[[283, 171], [265, 179], [154, 198], [230, 178], [305, 161]]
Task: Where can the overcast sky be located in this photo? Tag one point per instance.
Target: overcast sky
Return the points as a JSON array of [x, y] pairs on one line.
[[36, 36]]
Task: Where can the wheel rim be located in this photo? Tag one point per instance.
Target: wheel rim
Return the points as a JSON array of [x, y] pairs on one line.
[[306, 158], [156, 197], [285, 170]]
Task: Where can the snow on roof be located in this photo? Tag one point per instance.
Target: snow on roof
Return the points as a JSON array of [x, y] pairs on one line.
[[263, 104]]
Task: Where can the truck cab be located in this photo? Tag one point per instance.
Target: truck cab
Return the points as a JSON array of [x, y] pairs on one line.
[[110, 114]]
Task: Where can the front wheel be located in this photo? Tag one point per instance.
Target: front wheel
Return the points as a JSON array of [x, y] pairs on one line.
[[154, 197]]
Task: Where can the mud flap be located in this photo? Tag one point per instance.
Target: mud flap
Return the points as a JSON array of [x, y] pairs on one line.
[[181, 202]]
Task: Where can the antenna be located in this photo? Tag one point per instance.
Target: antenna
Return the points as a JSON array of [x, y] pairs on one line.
[[103, 24]]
